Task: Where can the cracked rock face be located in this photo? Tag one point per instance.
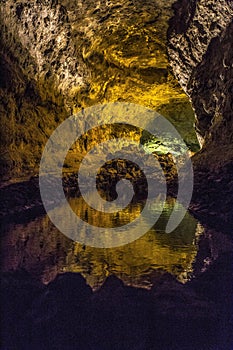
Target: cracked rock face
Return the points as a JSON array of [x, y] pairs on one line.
[[200, 50]]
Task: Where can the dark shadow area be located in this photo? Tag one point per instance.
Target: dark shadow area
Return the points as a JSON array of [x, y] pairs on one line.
[[66, 314]]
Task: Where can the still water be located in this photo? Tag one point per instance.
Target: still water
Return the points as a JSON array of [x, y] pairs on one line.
[[38, 247]]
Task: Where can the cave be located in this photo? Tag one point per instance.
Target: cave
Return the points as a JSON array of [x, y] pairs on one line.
[[105, 104]]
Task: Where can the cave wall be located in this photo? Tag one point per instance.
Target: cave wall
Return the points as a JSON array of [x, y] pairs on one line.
[[31, 100], [38, 36], [201, 55], [59, 56]]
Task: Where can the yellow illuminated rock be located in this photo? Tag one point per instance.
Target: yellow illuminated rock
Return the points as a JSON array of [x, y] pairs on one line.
[[61, 59]]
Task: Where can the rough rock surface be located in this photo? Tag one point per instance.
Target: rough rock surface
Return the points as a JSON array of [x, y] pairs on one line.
[[200, 50], [35, 67], [59, 56], [43, 32]]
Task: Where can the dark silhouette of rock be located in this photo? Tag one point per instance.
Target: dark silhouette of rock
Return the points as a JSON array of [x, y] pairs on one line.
[[216, 285], [18, 290], [61, 315], [67, 315]]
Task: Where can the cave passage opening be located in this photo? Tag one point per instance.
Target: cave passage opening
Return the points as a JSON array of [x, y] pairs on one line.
[[125, 52]]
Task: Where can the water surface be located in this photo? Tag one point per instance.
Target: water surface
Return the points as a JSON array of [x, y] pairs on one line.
[[41, 249]]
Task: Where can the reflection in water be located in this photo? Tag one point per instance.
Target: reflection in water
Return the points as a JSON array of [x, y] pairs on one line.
[[41, 249]]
